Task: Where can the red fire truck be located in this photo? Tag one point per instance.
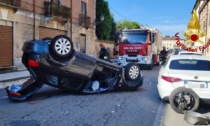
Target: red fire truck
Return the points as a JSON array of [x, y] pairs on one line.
[[139, 46]]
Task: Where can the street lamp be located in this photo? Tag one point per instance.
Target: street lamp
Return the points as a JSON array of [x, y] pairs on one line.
[[101, 20]]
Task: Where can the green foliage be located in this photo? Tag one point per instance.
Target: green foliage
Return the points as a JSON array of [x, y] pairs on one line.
[[127, 24], [108, 28], [113, 31], [103, 29]]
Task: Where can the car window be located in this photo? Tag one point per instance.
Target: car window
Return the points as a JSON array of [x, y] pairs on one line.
[[187, 64]]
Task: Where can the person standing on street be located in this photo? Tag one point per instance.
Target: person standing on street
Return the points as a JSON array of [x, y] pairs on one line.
[[163, 54], [104, 54]]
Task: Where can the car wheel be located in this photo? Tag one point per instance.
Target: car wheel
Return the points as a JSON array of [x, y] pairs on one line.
[[132, 79], [62, 46], [158, 64], [150, 65], [182, 99], [132, 71]]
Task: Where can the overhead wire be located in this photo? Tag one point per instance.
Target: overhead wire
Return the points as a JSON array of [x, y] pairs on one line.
[[117, 11]]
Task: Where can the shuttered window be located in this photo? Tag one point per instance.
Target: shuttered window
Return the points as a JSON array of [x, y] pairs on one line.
[[6, 46], [49, 32]]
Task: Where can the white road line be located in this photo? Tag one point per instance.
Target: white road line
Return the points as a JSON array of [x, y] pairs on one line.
[[160, 114]]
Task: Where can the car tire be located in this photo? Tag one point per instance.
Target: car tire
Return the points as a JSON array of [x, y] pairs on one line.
[[150, 67], [62, 46], [132, 71], [129, 83], [180, 97]]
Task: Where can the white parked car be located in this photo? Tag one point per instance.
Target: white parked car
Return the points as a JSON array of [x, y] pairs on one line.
[[184, 52], [184, 80]]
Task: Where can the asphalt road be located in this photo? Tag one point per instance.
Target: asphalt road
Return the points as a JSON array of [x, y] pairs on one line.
[[54, 107]]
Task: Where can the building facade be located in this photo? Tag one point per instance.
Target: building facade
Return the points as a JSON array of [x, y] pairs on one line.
[[170, 43], [24, 20], [202, 8]]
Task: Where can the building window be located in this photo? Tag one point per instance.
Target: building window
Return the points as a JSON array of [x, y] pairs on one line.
[[83, 8]]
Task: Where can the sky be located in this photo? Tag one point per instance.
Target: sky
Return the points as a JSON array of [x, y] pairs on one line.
[[168, 16]]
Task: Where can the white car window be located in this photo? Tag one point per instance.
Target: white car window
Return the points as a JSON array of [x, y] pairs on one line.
[[187, 64]]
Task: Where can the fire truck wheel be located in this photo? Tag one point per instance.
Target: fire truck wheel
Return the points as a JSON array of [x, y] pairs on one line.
[[150, 65], [132, 71], [62, 46]]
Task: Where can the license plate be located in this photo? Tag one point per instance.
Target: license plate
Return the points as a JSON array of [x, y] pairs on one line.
[[193, 84]]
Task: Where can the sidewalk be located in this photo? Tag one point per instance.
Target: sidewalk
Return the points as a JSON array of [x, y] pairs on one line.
[[12, 76], [172, 118]]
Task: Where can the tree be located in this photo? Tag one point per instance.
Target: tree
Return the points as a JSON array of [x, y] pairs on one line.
[[113, 31], [127, 24], [103, 29]]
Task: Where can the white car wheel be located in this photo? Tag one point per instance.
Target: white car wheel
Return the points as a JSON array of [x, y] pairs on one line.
[[61, 46], [133, 72]]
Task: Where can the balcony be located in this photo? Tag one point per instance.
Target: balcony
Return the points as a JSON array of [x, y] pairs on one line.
[[11, 3], [84, 21], [56, 10]]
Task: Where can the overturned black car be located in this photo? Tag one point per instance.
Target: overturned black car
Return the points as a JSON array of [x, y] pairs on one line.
[[55, 62]]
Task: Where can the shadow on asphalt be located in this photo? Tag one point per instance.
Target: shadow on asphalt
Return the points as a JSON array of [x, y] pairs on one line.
[[48, 91]]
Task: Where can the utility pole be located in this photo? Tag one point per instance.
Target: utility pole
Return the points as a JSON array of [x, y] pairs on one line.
[[71, 20], [34, 10]]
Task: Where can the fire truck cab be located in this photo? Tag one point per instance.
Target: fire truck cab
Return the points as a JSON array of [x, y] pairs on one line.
[[139, 46]]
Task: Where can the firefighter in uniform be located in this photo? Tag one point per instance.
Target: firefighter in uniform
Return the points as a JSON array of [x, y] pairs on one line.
[[104, 54]]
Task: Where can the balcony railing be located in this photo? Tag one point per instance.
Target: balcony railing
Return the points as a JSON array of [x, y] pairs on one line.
[[11, 3], [84, 20], [56, 10]]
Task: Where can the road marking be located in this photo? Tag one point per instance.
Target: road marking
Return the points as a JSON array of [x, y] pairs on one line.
[[160, 114]]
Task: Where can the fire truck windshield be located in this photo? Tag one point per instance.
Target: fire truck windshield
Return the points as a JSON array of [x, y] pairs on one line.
[[133, 37]]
